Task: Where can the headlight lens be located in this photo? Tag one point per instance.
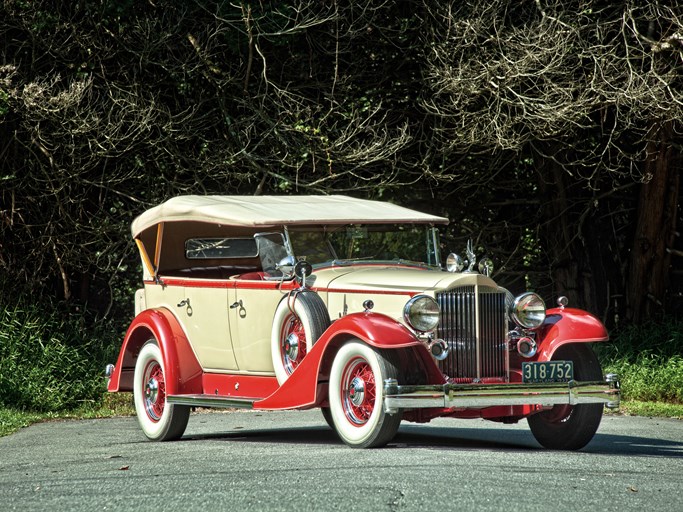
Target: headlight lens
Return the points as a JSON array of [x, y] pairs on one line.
[[528, 311], [422, 313], [454, 263]]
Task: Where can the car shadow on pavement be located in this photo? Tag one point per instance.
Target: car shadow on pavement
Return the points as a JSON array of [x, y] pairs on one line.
[[607, 444], [412, 436], [300, 435]]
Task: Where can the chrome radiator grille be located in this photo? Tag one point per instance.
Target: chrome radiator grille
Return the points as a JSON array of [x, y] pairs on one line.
[[473, 324]]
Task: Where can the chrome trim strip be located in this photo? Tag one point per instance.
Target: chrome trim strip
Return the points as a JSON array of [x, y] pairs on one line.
[[451, 396], [210, 401]]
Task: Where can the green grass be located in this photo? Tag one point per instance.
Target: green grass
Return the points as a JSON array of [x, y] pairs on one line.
[[649, 377], [651, 409], [112, 404], [52, 358], [649, 361]]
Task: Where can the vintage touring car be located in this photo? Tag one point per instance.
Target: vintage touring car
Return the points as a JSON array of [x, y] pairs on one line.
[[295, 302]]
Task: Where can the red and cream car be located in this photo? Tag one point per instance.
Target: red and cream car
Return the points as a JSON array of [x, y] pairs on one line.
[[344, 304]]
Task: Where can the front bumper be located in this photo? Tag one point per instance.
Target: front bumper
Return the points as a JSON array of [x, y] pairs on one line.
[[477, 396]]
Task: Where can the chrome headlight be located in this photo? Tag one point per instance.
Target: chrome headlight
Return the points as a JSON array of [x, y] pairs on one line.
[[454, 263], [422, 313], [528, 311]]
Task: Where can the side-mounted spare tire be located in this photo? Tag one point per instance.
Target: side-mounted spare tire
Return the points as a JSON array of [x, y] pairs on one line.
[[300, 319]]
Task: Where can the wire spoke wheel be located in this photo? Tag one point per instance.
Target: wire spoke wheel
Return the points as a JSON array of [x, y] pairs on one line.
[[356, 395], [159, 420], [293, 343], [358, 391], [300, 319], [154, 391]]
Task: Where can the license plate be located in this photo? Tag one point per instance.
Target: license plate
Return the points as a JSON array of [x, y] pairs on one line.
[[548, 371]]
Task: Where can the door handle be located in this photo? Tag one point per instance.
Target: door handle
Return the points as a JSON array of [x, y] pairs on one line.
[[184, 302]]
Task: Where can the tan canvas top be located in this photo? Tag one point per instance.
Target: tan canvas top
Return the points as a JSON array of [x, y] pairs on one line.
[[257, 211]]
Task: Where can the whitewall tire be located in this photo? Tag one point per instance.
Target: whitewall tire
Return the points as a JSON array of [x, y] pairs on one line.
[[159, 420], [356, 395]]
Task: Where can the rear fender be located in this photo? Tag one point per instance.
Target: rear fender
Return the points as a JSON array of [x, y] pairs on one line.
[[301, 389], [183, 372], [568, 325]]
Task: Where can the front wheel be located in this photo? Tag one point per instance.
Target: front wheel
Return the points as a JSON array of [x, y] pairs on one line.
[[356, 395], [159, 420], [567, 427]]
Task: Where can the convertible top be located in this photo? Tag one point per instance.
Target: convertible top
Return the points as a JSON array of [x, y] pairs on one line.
[[263, 211]]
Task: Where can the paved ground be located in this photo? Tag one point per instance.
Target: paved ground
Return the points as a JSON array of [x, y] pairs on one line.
[[293, 461]]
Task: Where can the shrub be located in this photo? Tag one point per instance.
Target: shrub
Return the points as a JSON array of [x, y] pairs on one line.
[[663, 338], [648, 360], [50, 359]]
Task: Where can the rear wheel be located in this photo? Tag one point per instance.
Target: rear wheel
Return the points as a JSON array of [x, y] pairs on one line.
[[356, 395], [159, 420], [567, 427]]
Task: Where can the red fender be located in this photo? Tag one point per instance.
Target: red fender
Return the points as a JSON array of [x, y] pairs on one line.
[[183, 372], [375, 329], [301, 388], [568, 325]]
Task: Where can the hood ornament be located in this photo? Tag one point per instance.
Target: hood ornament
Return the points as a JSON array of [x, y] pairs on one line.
[[455, 263], [471, 256]]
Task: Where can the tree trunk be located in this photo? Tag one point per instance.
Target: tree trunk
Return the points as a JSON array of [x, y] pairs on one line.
[[655, 228], [561, 210]]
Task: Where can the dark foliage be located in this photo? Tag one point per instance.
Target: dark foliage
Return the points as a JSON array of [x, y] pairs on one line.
[[535, 126]]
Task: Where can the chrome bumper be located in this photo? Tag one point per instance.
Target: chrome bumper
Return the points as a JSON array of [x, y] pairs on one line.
[[477, 396]]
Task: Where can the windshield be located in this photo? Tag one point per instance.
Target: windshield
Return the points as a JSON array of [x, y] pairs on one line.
[[327, 245]]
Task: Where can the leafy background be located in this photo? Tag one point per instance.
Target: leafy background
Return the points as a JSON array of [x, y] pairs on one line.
[[547, 131]]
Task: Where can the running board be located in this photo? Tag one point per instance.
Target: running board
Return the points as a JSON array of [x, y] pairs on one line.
[[211, 401]]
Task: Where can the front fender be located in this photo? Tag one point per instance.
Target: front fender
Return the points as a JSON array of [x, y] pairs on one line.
[[301, 388], [568, 325], [183, 372], [375, 329]]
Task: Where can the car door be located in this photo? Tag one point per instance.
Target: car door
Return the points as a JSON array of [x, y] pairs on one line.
[[205, 316], [253, 304]]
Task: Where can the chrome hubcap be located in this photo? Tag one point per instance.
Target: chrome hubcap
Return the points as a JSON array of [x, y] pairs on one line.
[[151, 390], [357, 391], [292, 346]]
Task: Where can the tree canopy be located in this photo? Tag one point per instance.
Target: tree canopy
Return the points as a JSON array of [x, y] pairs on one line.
[[547, 130]]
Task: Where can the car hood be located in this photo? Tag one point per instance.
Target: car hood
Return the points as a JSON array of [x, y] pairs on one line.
[[393, 278]]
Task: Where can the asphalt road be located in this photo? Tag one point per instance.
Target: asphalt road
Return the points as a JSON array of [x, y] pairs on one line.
[[246, 461]]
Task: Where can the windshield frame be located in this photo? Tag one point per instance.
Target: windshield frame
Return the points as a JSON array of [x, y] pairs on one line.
[[430, 246]]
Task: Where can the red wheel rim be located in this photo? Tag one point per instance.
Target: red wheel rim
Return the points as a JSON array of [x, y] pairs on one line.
[[358, 391], [293, 343], [154, 391]]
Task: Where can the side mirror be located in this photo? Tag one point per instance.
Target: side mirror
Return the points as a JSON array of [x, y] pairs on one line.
[[302, 270]]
